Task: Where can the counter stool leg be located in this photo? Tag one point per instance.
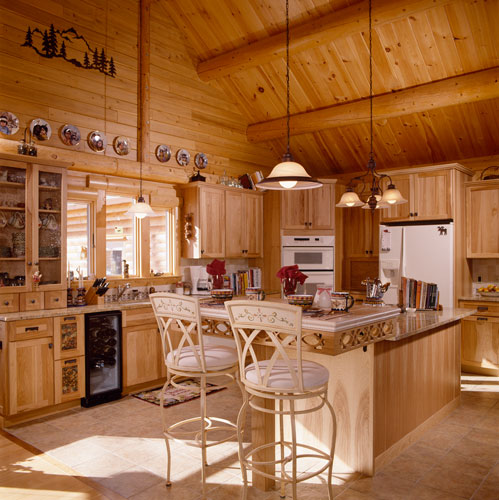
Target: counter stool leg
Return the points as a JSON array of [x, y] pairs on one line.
[[281, 438], [333, 445], [293, 445], [203, 432], [241, 420], [163, 420]]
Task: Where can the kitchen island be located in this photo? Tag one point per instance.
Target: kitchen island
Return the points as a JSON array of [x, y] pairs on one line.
[[392, 375]]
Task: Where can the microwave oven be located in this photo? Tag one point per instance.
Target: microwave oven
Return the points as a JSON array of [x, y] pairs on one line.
[[309, 253]]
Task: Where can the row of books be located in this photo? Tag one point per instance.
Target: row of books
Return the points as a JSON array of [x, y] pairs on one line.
[[418, 294], [250, 278]]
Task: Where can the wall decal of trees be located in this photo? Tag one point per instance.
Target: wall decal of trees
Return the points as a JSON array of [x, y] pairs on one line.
[[71, 47]]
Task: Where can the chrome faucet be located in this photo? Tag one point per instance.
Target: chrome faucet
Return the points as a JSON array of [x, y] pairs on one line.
[[122, 290]]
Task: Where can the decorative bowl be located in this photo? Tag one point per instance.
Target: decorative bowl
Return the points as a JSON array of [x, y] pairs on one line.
[[222, 293], [304, 301]]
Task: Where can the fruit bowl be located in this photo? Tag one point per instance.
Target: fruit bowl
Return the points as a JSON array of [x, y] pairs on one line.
[[304, 301], [222, 293], [489, 294], [489, 291]]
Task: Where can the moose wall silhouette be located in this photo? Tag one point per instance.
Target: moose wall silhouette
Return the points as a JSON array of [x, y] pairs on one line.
[[56, 43]]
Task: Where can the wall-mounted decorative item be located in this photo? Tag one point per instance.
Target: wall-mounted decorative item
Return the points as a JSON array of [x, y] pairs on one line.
[[120, 145], [163, 153], [9, 123], [183, 157], [27, 146], [69, 45], [70, 135], [40, 129], [201, 161], [97, 141]]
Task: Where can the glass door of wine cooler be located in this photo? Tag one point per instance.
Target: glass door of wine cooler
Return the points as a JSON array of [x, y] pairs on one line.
[[14, 239]]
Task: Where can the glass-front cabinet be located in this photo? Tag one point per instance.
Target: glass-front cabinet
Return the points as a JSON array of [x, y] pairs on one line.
[[32, 230]]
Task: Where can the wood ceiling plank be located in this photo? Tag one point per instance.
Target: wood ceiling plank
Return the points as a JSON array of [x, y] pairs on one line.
[[476, 86], [332, 26]]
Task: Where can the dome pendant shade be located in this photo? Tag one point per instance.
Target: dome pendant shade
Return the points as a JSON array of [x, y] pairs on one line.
[[350, 199], [140, 209], [392, 196], [289, 175]]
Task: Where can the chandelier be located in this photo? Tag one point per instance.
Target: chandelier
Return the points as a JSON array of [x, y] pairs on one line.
[[288, 174], [371, 196]]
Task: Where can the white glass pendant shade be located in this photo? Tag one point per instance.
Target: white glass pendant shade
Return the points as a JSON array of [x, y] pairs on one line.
[[392, 196], [289, 175], [350, 199], [379, 203], [140, 209]]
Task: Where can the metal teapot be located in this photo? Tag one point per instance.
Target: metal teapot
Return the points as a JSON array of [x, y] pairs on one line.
[[374, 288]]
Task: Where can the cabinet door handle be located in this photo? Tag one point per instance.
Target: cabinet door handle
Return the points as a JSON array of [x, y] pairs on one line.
[[6, 302], [29, 264], [415, 214], [51, 345], [411, 214], [482, 319], [202, 251], [483, 308], [36, 263], [367, 251], [31, 329]]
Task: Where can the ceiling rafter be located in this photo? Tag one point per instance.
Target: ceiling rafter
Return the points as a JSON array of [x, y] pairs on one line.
[[471, 87], [342, 23]]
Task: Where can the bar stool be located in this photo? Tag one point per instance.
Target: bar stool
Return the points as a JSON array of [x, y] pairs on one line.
[[283, 380], [179, 319]]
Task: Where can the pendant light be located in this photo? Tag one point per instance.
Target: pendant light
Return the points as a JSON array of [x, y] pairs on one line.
[[140, 209], [371, 195], [288, 174]]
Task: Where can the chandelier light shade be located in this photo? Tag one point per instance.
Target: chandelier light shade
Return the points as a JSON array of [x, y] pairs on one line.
[[141, 208], [288, 174], [371, 195]]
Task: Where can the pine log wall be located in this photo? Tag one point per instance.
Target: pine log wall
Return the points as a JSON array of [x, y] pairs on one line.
[[184, 112]]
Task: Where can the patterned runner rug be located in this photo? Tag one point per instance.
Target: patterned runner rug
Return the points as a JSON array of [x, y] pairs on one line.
[[174, 395]]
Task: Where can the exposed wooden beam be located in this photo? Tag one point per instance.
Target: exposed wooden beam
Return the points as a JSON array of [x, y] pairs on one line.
[[342, 23], [471, 87]]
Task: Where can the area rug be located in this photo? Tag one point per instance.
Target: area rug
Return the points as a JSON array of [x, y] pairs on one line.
[[174, 395]]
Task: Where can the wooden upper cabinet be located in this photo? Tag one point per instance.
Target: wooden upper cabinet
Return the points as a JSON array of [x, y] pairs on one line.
[[429, 196], [308, 209], [482, 219], [219, 221]]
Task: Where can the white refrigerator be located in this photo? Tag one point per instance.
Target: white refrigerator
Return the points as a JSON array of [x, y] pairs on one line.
[[421, 251]]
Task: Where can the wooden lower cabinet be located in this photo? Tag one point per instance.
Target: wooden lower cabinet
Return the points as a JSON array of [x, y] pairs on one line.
[[30, 375], [480, 344], [69, 379], [142, 356]]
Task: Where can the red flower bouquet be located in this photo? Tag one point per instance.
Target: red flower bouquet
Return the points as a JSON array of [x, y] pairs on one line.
[[217, 270], [290, 276]]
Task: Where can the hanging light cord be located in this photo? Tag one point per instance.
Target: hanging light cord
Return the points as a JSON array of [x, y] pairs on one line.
[[287, 73], [371, 154], [140, 179]]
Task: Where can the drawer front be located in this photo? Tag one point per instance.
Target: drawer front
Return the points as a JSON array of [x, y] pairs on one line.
[[31, 301], [69, 336], [9, 303], [69, 379], [55, 300], [136, 317], [30, 329], [483, 307]]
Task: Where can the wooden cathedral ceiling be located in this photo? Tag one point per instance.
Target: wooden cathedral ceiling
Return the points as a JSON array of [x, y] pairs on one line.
[[435, 76]]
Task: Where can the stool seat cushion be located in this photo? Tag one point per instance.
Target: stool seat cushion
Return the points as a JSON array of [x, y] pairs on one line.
[[217, 357], [314, 375]]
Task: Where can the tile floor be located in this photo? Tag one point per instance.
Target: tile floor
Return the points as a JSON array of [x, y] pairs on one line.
[[119, 445]]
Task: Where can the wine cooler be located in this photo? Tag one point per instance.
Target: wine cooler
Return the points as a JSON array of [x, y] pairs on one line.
[[102, 357]]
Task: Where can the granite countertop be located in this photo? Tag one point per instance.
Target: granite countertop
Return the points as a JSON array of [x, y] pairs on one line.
[[413, 323], [68, 311], [480, 298]]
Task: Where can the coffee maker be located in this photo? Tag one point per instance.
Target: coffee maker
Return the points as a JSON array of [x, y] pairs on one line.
[[198, 276]]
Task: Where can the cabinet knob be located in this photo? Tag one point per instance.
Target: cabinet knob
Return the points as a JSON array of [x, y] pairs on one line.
[[411, 214], [51, 345], [6, 302], [29, 264], [32, 301], [370, 251], [367, 251], [56, 299], [202, 251], [36, 263], [415, 214]]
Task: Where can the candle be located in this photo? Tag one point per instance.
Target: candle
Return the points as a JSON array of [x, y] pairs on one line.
[[69, 275]]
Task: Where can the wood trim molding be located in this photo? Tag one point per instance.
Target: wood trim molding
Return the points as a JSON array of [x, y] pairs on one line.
[[34, 160], [339, 24], [470, 87]]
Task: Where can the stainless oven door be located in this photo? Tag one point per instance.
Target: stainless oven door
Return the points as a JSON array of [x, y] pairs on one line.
[[309, 258]]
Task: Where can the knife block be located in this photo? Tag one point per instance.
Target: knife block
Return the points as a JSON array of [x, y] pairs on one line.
[[91, 298]]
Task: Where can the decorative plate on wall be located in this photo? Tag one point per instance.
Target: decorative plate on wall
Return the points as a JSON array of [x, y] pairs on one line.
[[163, 153], [9, 123], [183, 157], [97, 141], [120, 145], [201, 161], [40, 129], [70, 135]]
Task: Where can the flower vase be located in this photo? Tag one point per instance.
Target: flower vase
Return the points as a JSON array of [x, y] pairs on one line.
[[217, 281], [289, 286]]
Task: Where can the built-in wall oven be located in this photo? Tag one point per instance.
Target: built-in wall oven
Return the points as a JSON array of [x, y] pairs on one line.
[[314, 255]]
